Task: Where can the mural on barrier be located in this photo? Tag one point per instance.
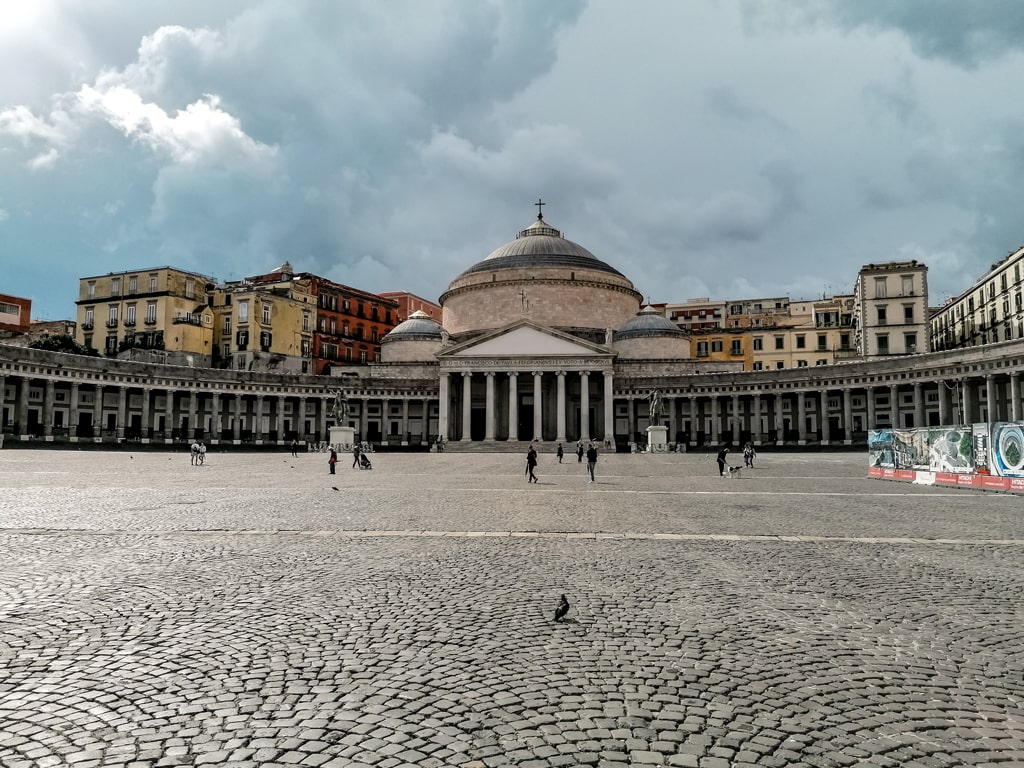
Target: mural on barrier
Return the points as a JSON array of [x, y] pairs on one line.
[[981, 449]]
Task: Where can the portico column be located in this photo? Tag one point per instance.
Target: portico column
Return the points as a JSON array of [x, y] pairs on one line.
[[72, 413], [780, 425], [236, 433], [693, 420], [147, 394], [48, 409], [1014, 396], [442, 407], [715, 418], [168, 414], [801, 416], [894, 406], [538, 422], [609, 408], [489, 406], [23, 388], [584, 406], [848, 416], [991, 398], [513, 405], [122, 410], [672, 420], [918, 406], [467, 404], [257, 431], [560, 408], [755, 421], [736, 419], [967, 404], [405, 421], [280, 418], [300, 425], [826, 428], [193, 413], [869, 398]]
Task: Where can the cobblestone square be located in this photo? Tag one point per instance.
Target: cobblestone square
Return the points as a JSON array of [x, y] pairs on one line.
[[257, 611]]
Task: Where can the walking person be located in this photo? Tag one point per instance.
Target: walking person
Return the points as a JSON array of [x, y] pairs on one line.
[[295, 447], [748, 455], [194, 451], [721, 461], [591, 460], [560, 453], [333, 460], [355, 455], [579, 451], [202, 452], [531, 463]]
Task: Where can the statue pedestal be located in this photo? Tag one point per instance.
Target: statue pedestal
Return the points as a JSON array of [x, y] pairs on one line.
[[342, 438], [657, 439]]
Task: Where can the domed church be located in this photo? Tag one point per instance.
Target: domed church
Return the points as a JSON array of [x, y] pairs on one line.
[[537, 342]]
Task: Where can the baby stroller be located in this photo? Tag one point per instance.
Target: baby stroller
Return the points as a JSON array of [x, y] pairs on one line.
[[364, 462]]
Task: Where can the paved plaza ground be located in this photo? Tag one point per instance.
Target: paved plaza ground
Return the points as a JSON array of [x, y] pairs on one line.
[[257, 611]]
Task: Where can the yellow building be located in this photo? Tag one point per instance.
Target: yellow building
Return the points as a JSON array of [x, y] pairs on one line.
[[156, 315], [265, 323]]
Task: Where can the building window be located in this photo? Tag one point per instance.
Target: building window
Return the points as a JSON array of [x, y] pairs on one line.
[[737, 347], [243, 312], [822, 341], [227, 323], [242, 340], [801, 341], [716, 346], [908, 285], [91, 290], [362, 356], [910, 340], [758, 366], [801, 363], [305, 347], [89, 318], [266, 314], [305, 321], [702, 349], [882, 340], [779, 364], [908, 313], [265, 340], [112, 315], [115, 286], [780, 342], [152, 282], [151, 312], [129, 315], [844, 341], [373, 335], [880, 288], [758, 344], [190, 288], [821, 362], [111, 348]]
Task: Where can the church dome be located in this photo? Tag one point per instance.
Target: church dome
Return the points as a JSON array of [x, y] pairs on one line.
[[419, 326], [540, 245], [648, 322]]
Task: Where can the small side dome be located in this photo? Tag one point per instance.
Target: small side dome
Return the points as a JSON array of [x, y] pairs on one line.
[[648, 323], [419, 327]]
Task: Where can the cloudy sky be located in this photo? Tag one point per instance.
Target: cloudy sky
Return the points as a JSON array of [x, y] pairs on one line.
[[722, 148]]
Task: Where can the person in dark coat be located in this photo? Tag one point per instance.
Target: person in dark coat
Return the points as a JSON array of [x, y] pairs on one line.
[[531, 462], [333, 460], [579, 451], [721, 461], [560, 453], [591, 460]]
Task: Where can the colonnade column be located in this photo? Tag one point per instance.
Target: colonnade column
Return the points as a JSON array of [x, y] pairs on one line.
[[826, 428], [918, 406], [736, 419], [489, 406], [560, 408], [584, 406], [672, 428], [300, 418], [943, 403], [537, 421], [236, 432], [513, 405], [894, 406], [193, 411], [280, 418], [801, 417], [405, 421], [48, 409], [755, 420], [73, 407], [442, 407], [168, 413], [23, 388], [715, 420], [1014, 396], [869, 395], [848, 416], [967, 403], [780, 426], [144, 430], [257, 429], [693, 419], [609, 408], [467, 404], [991, 398], [122, 411]]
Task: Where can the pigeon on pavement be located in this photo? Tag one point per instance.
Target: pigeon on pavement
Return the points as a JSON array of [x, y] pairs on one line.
[[562, 609]]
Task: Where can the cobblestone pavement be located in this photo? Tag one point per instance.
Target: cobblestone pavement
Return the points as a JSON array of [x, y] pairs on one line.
[[246, 613]]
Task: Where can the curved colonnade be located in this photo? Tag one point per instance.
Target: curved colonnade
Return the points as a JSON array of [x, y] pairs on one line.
[[69, 398]]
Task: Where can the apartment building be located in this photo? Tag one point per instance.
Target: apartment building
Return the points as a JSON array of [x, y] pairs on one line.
[[891, 309], [15, 314], [350, 324], [695, 314], [156, 314], [410, 302], [990, 311]]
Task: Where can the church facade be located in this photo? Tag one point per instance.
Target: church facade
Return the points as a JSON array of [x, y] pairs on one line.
[[540, 341]]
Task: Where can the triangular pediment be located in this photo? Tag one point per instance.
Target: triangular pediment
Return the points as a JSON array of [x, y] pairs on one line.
[[525, 340]]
